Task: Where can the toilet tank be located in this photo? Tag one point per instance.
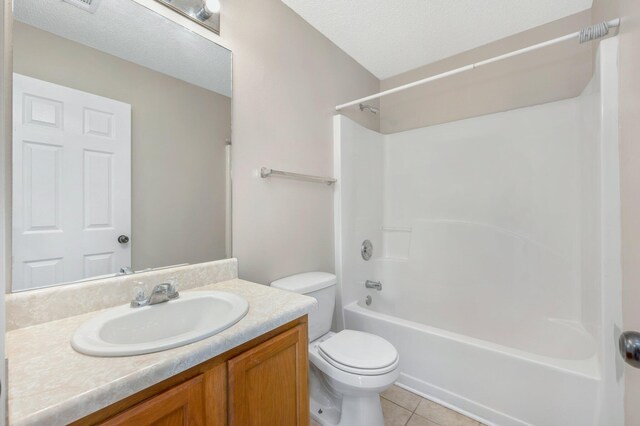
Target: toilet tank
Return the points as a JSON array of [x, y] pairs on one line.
[[322, 287]]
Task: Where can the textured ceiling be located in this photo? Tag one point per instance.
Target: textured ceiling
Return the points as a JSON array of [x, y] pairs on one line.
[[390, 37], [125, 29]]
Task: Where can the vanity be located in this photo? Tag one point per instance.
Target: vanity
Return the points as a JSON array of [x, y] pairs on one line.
[[254, 372], [228, 389]]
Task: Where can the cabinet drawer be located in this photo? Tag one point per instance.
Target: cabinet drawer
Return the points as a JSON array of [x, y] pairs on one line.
[[180, 405]]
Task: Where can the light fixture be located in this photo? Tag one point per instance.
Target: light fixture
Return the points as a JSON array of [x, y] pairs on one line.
[[209, 7], [204, 12], [212, 5]]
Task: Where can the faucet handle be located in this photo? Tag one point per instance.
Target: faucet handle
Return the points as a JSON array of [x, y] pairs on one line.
[[138, 291], [172, 288], [139, 296]]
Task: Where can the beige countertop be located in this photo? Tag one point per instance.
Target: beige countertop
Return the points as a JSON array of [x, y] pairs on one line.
[[50, 383]]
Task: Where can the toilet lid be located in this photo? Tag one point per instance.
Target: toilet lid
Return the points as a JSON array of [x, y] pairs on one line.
[[359, 352]]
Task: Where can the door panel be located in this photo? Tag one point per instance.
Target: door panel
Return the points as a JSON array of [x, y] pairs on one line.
[[268, 384], [98, 169], [72, 184], [41, 176], [42, 111]]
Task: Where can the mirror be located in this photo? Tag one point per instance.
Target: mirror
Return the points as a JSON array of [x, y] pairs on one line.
[[121, 130]]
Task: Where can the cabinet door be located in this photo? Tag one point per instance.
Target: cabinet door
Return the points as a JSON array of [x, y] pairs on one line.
[[178, 406], [268, 384]]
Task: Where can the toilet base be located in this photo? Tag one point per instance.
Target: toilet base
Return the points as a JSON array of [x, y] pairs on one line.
[[330, 409]]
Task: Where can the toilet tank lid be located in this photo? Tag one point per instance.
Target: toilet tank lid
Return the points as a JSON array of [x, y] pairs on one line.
[[306, 282]]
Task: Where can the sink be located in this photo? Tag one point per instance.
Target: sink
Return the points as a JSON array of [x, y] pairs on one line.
[[124, 331]]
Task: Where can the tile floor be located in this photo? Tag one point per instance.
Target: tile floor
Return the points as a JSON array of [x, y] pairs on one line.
[[403, 408]]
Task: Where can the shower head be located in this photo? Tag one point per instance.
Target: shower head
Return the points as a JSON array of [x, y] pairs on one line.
[[371, 109]]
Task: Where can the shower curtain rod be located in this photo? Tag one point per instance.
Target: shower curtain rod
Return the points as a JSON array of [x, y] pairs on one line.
[[587, 34]]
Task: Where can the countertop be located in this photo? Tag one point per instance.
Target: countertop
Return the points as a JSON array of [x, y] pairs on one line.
[[50, 383]]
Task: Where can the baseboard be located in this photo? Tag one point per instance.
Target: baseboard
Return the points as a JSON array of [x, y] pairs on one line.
[[485, 415]]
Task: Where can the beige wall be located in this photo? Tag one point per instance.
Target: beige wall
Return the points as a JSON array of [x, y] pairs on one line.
[[547, 75], [629, 12], [287, 78], [179, 133]]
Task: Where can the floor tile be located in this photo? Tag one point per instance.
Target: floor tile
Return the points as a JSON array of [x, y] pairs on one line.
[[402, 397], [394, 415], [398, 406], [417, 420], [442, 415]]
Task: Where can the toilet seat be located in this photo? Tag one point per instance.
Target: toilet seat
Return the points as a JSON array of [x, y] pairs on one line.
[[359, 353], [342, 398]]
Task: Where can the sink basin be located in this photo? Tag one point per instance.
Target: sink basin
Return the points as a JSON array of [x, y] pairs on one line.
[[125, 331]]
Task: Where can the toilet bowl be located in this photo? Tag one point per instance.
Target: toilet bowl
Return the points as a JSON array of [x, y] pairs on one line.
[[348, 393], [348, 369]]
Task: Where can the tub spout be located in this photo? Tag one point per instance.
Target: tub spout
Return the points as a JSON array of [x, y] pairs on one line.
[[373, 284]]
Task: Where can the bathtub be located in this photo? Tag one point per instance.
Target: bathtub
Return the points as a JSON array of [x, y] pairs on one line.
[[528, 382], [497, 242]]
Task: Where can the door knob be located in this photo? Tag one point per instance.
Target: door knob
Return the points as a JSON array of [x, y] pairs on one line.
[[630, 348], [123, 239]]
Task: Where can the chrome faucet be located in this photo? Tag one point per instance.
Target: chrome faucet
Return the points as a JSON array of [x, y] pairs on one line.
[[125, 270], [160, 294], [377, 285]]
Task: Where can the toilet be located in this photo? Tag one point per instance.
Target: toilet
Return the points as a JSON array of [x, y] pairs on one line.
[[348, 369]]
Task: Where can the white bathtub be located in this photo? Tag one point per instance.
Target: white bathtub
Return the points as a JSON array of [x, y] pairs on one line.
[[497, 242], [494, 383]]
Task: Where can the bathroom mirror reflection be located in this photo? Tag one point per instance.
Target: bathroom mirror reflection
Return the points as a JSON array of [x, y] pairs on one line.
[[121, 130]]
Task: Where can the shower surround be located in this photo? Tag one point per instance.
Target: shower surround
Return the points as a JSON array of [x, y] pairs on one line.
[[497, 241]]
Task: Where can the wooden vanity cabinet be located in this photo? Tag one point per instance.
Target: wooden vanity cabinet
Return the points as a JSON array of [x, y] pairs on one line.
[[260, 383], [180, 405], [268, 384]]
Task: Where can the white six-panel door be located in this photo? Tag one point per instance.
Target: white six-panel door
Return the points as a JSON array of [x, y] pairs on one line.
[[71, 184]]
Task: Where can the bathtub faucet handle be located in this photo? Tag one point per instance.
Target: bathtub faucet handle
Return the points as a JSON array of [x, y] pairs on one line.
[[373, 284]]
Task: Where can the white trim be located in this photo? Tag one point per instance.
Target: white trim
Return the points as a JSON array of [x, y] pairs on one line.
[[6, 17], [441, 396]]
